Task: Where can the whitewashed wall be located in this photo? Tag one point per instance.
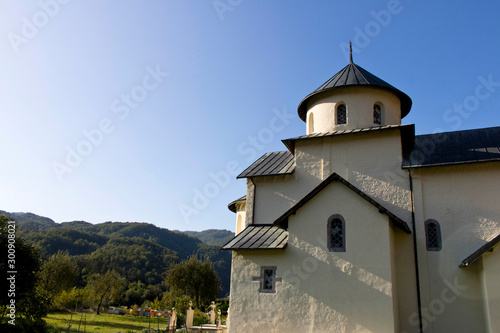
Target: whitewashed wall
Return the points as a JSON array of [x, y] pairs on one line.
[[322, 291], [464, 200]]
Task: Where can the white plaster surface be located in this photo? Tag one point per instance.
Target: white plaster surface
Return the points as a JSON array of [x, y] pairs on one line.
[[491, 266], [321, 291], [464, 200], [370, 161], [359, 102]]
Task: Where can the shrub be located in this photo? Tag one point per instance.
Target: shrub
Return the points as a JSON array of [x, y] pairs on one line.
[[70, 299], [200, 318]]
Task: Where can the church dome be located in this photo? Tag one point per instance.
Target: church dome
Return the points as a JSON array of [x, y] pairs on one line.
[[350, 76]]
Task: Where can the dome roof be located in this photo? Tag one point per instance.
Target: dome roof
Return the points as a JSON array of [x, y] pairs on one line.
[[232, 205], [354, 75]]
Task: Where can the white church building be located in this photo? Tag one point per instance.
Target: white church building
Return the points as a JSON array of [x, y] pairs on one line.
[[362, 226]]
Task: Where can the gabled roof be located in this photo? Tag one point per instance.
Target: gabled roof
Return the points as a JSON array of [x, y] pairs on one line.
[[354, 75], [335, 177], [460, 147], [259, 237], [271, 164], [482, 250]]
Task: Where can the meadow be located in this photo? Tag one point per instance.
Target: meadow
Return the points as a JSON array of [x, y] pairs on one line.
[[103, 323]]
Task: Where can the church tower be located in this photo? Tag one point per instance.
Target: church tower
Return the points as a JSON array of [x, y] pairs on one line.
[[363, 226], [353, 98], [337, 205]]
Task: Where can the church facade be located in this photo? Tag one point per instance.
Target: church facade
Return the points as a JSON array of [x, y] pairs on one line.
[[362, 226]]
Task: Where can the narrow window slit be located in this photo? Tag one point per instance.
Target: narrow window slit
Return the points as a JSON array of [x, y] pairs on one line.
[[433, 235], [341, 114], [377, 114], [336, 233]]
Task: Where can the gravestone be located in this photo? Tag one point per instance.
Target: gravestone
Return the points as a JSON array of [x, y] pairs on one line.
[[172, 323], [212, 313], [189, 315]]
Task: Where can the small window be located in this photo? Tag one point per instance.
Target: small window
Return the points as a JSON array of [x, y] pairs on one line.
[[341, 114], [311, 123], [336, 233], [267, 279], [268, 283], [239, 223], [433, 235], [377, 114]]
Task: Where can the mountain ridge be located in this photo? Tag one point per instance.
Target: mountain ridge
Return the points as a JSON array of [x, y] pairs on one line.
[[208, 236], [139, 251]]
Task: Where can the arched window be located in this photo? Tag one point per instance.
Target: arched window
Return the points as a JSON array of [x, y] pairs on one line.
[[310, 124], [239, 223], [377, 114], [336, 233], [341, 114], [433, 235]]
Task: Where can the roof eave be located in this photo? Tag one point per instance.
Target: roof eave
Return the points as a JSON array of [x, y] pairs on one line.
[[251, 249], [406, 131], [482, 250], [232, 205], [258, 237], [270, 164], [422, 166], [290, 145]]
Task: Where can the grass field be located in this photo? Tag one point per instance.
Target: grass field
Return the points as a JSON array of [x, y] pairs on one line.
[[103, 323]]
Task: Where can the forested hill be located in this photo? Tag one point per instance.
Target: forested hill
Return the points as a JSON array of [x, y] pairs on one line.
[[138, 251], [212, 236]]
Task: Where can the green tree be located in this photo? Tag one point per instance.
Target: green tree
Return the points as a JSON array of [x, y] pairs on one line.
[[71, 299], [195, 278], [134, 293], [58, 274], [21, 293], [104, 288]]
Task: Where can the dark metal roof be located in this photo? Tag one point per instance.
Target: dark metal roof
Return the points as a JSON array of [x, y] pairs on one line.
[[335, 177], [354, 75], [271, 164], [290, 143], [259, 237], [470, 146], [476, 255], [232, 205]]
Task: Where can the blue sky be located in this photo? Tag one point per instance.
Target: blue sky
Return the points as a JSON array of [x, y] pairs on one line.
[[142, 110]]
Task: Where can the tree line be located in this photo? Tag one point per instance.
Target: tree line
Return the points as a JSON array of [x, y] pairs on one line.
[[122, 271]]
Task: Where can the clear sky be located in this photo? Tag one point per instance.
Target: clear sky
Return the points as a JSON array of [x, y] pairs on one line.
[[141, 110]]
